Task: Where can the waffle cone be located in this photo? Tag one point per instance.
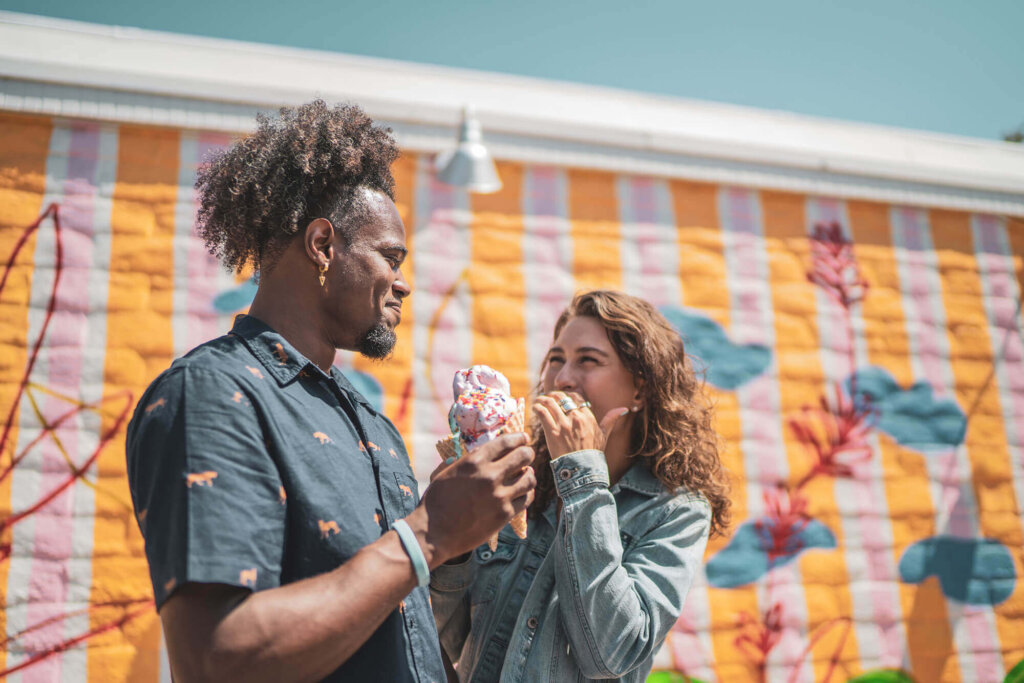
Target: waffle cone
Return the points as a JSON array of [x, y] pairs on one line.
[[446, 448], [516, 423]]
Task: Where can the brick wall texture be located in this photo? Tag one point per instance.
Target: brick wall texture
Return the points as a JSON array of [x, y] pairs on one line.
[[866, 360]]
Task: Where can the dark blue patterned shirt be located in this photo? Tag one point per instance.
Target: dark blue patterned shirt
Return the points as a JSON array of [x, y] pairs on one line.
[[249, 466]]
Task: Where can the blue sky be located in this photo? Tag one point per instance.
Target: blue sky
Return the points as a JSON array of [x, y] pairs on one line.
[[946, 66]]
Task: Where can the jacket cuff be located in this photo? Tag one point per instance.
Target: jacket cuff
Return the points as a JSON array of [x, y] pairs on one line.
[[578, 470], [449, 578]]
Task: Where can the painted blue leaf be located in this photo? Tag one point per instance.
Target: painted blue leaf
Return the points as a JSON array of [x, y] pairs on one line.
[[367, 385], [914, 417], [976, 571], [235, 299], [728, 365], [745, 559]]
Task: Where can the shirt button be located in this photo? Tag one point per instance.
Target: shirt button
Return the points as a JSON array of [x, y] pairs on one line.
[[564, 474], [532, 622], [485, 555]]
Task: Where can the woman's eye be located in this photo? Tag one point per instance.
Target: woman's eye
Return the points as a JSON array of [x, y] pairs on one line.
[[553, 360], [588, 359]]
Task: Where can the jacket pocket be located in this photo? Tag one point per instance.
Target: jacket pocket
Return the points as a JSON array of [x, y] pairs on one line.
[[493, 564]]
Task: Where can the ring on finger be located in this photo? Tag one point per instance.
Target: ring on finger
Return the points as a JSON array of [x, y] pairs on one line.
[[585, 404], [567, 405]]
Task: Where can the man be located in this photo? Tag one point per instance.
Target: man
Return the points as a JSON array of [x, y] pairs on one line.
[[279, 509]]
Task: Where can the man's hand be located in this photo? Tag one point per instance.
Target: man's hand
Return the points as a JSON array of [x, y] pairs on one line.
[[470, 500]]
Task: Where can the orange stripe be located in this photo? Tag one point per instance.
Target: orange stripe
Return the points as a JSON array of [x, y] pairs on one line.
[[594, 227], [977, 392], [797, 348], [703, 274], [139, 346], [25, 144], [906, 480], [395, 374], [496, 280]]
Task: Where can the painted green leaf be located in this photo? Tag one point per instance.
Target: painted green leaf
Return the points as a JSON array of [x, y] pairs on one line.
[[883, 676], [671, 677], [1016, 674]]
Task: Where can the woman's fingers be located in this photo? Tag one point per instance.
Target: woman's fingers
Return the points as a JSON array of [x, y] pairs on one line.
[[547, 421], [611, 419]]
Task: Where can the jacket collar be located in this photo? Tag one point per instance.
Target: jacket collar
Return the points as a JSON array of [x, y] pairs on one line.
[[639, 478]]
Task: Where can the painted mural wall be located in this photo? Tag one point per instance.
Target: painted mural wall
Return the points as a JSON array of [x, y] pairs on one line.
[[867, 362]]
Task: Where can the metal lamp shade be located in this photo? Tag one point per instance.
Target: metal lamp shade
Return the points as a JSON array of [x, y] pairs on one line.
[[469, 165]]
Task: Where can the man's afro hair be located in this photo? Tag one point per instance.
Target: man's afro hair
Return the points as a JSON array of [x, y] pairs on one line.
[[306, 163]]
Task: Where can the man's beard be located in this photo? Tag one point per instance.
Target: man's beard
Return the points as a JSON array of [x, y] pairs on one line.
[[378, 342]]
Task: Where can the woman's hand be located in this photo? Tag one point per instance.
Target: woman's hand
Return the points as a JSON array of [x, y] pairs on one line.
[[576, 430]]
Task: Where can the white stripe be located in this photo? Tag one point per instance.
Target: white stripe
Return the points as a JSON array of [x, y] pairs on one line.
[[26, 480]]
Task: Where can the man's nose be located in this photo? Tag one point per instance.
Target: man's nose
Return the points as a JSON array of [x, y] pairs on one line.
[[400, 287]]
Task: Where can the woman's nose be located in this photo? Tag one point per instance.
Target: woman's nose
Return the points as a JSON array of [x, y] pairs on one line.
[[564, 380]]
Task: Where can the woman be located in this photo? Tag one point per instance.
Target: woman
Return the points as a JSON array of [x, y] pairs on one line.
[[623, 509]]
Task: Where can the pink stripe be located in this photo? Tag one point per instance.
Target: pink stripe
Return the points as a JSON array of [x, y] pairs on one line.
[[205, 274], [52, 545], [439, 269], [999, 270], [917, 248], [1002, 303], [649, 241], [547, 227], [760, 422]]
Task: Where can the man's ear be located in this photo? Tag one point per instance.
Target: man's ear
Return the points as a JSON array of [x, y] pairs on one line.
[[319, 241]]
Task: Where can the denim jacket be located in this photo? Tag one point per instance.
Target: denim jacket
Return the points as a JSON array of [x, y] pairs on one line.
[[589, 595]]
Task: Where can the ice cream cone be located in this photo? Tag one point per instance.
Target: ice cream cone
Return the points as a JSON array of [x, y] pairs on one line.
[[516, 423], [446, 447]]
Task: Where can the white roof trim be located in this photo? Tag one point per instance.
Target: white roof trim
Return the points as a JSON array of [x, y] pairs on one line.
[[75, 69]]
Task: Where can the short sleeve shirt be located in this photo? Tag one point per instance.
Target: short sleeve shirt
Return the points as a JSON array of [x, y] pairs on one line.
[[249, 466]]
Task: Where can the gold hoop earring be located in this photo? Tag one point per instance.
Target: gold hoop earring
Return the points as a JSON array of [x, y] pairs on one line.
[[323, 273]]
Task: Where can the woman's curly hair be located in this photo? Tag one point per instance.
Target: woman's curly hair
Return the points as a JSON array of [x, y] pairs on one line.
[[306, 163], [673, 434]]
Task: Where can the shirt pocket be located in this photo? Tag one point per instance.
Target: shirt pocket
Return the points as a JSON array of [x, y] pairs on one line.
[[401, 494], [493, 566]]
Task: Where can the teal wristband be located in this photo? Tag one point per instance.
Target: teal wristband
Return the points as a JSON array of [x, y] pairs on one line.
[[412, 547]]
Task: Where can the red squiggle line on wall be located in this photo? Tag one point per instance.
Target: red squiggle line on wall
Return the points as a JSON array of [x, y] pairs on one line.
[[48, 429], [68, 644], [53, 210]]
